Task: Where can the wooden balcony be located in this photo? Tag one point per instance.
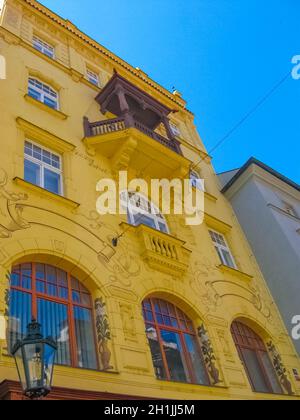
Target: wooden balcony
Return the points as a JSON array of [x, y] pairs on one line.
[[140, 135], [92, 129]]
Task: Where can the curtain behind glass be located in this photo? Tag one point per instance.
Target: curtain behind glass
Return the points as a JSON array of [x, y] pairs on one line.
[[271, 372], [54, 320], [254, 371], [85, 338], [196, 360], [19, 316]]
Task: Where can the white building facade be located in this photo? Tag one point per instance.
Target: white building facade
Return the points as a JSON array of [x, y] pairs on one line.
[[267, 205]]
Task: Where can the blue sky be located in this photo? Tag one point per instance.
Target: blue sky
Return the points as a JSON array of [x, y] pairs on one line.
[[223, 55]]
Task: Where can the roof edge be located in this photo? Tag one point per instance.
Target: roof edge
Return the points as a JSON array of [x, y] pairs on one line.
[[72, 28], [254, 161]]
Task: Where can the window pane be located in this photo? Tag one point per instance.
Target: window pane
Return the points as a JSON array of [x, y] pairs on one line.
[[50, 102], [85, 338], [227, 258], [19, 316], [254, 371], [271, 373], [142, 219], [175, 357], [162, 227], [54, 319], [156, 352], [41, 287], [32, 173], [52, 181], [34, 94], [196, 359]]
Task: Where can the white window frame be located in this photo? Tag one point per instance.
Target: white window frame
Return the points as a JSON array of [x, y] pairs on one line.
[[175, 130], [93, 77], [43, 92], [43, 165], [136, 205], [43, 46], [220, 247], [196, 181]]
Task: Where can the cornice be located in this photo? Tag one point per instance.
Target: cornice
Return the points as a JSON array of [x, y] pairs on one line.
[[74, 31], [44, 137], [256, 173]]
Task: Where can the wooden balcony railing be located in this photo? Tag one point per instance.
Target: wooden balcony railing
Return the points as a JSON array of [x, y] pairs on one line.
[[118, 124]]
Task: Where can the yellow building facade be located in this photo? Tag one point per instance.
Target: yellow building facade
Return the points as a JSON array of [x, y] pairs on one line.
[[67, 122]]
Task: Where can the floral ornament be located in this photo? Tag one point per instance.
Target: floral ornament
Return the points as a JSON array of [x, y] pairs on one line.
[[208, 354], [279, 368], [103, 333], [7, 294]]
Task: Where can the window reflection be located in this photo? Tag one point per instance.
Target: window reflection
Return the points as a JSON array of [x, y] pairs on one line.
[[173, 343], [255, 358]]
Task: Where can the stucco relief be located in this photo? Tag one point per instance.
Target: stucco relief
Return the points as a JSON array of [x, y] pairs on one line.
[[11, 209], [209, 355], [280, 369], [127, 316], [103, 334], [203, 270], [123, 267], [213, 291]]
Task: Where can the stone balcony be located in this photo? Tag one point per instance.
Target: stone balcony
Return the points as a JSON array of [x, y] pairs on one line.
[[162, 251]]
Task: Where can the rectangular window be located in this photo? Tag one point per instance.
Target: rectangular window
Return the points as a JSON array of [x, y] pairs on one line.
[[175, 130], [43, 168], [222, 249], [43, 46], [92, 77], [43, 93], [196, 182]]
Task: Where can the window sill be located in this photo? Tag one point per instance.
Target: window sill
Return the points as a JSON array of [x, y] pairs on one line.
[[42, 106], [235, 272], [48, 194], [187, 384]]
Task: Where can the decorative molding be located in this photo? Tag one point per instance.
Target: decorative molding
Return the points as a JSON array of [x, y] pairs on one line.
[[48, 194], [44, 137], [128, 323], [209, 355], [217, 224], [235, 272], [124, 294], [11, 210], [44, 107], [280, 369], [103, 334]]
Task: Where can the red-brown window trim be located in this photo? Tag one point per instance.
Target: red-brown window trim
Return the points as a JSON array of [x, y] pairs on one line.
[[180, 331], [35, 295], [245, 338]]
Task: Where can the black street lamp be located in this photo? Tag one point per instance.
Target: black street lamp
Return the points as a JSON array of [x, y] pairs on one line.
[[34, 356]]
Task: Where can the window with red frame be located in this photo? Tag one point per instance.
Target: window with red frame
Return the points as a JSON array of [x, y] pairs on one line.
[[255, 358], [61, 304], [175, 350]]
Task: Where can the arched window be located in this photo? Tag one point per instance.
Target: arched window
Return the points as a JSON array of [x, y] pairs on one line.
[[173, 342], [61, 304], [141, 211], [255, 358]]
